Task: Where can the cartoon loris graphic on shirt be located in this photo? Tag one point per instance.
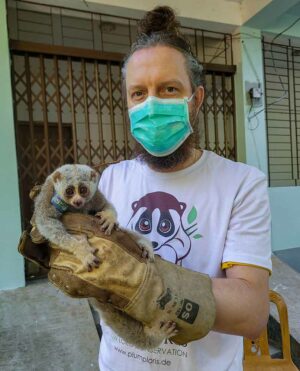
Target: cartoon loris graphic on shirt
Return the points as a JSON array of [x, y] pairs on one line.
[[159, 217]]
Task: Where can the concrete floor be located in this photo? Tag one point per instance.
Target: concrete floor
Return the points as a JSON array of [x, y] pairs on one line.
[[286, 281], [42, 329], [290, 257]]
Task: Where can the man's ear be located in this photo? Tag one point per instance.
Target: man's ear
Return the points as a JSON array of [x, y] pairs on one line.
[[56, 176], [199, 97]]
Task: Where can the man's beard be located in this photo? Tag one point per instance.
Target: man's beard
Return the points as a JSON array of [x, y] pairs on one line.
[[179, 156]]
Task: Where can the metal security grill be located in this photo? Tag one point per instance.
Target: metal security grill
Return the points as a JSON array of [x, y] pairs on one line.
[[216, 129], [282, 91], [67, 110]]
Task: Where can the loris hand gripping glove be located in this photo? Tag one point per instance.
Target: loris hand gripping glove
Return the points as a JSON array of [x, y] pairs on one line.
[[149, 292]]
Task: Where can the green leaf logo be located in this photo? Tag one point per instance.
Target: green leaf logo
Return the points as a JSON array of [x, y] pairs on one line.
[[192, 215], [197, 236]]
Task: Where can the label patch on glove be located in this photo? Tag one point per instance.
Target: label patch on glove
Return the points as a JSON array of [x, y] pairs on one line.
[[189, 311]]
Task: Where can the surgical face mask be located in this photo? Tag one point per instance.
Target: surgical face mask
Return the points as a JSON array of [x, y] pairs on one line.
[[161, 125]]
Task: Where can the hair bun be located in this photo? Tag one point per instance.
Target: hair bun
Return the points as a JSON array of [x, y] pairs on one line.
[[160, 19]]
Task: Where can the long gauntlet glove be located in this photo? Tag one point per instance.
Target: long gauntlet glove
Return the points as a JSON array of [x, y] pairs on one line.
[[149, 292]]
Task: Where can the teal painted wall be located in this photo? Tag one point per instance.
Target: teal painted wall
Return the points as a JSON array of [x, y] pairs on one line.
[[11, 262], [285, 209]]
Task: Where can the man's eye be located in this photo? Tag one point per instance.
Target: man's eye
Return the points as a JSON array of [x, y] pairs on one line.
[[170, 91], [137, 95]]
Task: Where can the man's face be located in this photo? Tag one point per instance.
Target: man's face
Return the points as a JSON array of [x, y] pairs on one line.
[[161, 71]]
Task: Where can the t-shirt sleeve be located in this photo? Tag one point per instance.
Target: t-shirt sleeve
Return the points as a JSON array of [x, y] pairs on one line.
[[248, 239]]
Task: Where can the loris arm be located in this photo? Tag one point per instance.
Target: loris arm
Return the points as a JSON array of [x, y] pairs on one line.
[[104, 210], [47, 217], [144, 243], [131, 330], [100, 203]]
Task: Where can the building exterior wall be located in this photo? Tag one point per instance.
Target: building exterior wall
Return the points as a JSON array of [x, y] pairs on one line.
[[251, 135]]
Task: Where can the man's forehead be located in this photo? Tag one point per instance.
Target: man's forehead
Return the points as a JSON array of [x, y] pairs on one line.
[[163, 82], [162, 62]]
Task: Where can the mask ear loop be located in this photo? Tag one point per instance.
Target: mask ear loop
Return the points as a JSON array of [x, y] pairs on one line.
[[191, 97], [189, 100]]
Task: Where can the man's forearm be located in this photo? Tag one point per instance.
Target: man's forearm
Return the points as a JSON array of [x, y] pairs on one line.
[[242, 301]]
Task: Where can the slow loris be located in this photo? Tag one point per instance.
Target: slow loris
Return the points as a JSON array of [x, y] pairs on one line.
[[74, 188]]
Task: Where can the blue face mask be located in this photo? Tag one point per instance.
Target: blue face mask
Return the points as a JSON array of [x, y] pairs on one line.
[[161, 125]]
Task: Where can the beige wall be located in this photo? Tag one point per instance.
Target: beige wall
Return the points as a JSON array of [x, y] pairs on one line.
[[234, 12]]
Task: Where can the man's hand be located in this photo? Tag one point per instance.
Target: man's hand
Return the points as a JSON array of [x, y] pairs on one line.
[[242, 301]]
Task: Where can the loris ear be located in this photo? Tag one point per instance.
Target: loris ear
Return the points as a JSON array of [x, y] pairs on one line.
[[94, 176], [56, 176]]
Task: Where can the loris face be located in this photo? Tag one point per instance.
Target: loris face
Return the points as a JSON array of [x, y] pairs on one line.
[[75, 184]]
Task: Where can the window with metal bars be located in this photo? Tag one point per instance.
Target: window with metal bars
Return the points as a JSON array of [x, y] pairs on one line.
[[282, 94]]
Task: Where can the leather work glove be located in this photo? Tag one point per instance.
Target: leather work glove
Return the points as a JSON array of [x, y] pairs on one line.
[[147, 291]]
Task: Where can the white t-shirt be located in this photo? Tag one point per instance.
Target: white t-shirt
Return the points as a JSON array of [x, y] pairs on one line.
[[213, 212]]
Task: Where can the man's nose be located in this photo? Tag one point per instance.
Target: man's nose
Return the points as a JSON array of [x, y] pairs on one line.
[[152, 93]]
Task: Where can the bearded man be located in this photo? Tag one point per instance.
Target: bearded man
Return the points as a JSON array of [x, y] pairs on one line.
[[200, 211]]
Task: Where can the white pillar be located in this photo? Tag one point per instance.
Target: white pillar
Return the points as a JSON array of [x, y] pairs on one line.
[[251, 135], [11, 262]]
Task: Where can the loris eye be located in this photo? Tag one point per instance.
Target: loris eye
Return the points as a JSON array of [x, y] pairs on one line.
[[83, 190], [70, 191]]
